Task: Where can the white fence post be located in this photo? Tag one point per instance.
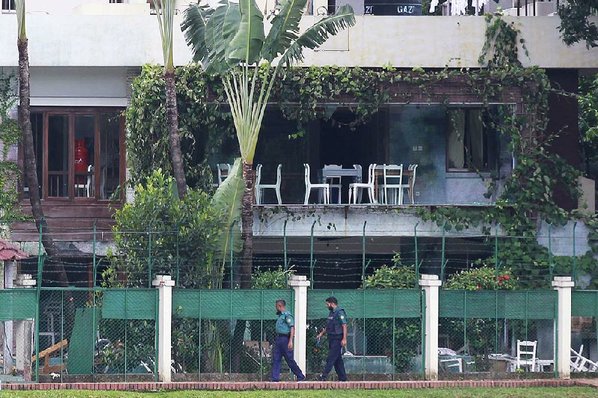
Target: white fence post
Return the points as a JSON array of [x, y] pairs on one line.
[[430, 285], [164, 284], [563, 286], [299, 283], [23, 332], [10, 272]]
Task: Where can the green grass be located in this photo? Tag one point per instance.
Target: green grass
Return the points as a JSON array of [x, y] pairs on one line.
[[560, 392]]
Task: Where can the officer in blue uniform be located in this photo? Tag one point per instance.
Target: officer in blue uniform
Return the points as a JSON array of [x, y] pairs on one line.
[[283, 347], [336, 329]]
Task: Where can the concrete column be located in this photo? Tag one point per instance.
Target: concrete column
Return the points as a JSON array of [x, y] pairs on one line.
[[430, 285], [563, 286], [299, 283], [164, 284], [23, 330], [10, 272]]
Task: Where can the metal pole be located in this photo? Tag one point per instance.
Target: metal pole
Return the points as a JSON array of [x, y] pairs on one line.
[[232, 254], [550, 262], [574, 254], [363, 253], [443, 264], [178, 257], [40, 263], [416, 255], [311, 255], [496, 250], [284, 242], [95, 265], [149, 258]]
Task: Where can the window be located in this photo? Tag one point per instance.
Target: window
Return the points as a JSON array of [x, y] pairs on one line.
[[8, 5], [116, 1], [78, 153], [471, 144]]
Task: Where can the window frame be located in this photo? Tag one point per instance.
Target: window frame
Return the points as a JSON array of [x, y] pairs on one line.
[[9, 9], [468, 170], [72, 113]]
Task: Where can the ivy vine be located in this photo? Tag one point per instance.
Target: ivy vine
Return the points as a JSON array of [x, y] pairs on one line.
[[525, 198]]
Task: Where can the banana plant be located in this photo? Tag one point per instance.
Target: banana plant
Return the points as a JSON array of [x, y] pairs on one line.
[[229, 40]]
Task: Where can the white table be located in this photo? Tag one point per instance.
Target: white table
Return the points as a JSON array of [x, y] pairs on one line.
[[330, 174]]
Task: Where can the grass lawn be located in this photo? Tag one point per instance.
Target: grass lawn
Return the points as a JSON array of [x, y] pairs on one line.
[[557, 392]]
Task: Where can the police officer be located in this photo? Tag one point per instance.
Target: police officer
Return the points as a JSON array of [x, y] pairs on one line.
[[283, 347], [336, 329]]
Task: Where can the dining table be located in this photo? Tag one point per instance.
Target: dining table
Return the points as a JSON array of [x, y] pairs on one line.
[[334, 175]]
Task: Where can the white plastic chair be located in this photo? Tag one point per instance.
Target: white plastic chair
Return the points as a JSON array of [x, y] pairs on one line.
[[452, 363], [259, 187], [579, 363], [526, 355], [356, 187], [88, 183], [223, 171], [309, 187], [393, 181], [411, 183], [334, 182]]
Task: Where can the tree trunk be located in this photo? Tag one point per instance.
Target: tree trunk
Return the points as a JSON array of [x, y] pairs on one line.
[[247, 226], [172, 120], [246, 259], [29, 161]]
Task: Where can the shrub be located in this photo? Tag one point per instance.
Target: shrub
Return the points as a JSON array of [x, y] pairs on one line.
[[483, 278]]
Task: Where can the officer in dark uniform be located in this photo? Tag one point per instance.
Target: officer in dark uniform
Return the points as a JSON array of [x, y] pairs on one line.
[[283, 346], [336, 329]]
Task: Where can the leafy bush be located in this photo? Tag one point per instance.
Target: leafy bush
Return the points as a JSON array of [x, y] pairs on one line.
[[158, 233], [271, 279], [397, 276], [483, 278]]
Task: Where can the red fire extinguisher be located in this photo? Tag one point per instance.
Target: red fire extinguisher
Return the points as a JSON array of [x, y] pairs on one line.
[[81, 158]]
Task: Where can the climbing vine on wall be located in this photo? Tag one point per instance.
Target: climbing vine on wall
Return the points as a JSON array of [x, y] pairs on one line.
[[9, 137], [523, 198]]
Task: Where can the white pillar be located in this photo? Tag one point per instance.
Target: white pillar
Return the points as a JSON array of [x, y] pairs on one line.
[[299, 283], [563, 286], [10, 272], [164, 284], [430, 285], [24, 333]]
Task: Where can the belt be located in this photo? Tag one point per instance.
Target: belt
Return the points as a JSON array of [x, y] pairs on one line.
[[335, 336], [283, 334]]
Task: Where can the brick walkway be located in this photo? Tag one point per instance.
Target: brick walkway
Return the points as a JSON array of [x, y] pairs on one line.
[[239, 386]]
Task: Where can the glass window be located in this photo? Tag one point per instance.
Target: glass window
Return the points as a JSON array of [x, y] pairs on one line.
[[8, 5], [37, 127], [109, 164], [78, 153], [471, 145], [84, 156], [58, 169]]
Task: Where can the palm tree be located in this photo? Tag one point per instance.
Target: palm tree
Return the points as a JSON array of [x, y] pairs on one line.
[[29, 161], [229, 40], [165, 13]]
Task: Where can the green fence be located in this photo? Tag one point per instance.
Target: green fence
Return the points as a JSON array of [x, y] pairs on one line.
[[224, 334], [385, 333], [479, 330]]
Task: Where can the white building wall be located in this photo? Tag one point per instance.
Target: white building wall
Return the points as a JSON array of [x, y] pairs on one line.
[[429, 42]]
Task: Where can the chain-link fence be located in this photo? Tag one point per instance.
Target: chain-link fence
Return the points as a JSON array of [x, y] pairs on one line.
[[80, 334], [584, 333], [384, 333], [225, 334], [496, 334]]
